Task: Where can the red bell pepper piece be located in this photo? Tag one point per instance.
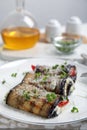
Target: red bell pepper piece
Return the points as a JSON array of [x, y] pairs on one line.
[[63, 103], [33, 67], [72, 72]]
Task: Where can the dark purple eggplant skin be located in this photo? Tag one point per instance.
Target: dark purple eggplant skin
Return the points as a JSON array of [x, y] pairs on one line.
[[39, 69], [62, 85], [52, 114]]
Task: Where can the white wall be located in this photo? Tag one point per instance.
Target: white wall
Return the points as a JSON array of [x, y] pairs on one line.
[[43, 10]]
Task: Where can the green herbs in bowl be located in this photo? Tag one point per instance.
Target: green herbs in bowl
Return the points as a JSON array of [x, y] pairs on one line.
[[66, 44]]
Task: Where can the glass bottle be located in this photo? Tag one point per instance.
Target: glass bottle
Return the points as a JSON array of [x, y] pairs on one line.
[[19, 30]]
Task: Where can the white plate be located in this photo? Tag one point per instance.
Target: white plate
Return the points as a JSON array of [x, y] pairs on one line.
[[77, 98]]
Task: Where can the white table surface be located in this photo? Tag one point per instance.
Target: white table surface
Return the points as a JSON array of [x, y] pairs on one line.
[[41, 50]]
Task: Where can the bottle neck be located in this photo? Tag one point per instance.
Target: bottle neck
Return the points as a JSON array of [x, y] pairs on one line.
[[20, 4]]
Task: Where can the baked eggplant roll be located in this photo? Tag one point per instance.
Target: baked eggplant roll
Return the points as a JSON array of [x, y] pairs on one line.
[[61, 86], [42, 91], [58, 79], [32, 99], [64, 70]]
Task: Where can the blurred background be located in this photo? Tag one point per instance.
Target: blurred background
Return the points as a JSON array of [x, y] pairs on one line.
[[44, 10]]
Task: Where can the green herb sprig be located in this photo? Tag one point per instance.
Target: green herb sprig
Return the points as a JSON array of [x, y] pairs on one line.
[[45, 78], [63, 74], [63, 98], [26, 95], [13, 74], [74, 110], [37, 75], [51, 97], [4, 81], [55, 66]]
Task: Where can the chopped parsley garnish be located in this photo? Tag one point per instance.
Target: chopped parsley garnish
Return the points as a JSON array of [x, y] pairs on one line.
[[63, 68], [51, 97], [55, 66], [3, 82], [44, 78], [74, 110], [63, 74], [37, 75], [13, 74], [46, 70], [64, 98], [26, 95]]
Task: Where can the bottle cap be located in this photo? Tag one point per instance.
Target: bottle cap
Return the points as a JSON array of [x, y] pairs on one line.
[[74, 26], [53, 29]]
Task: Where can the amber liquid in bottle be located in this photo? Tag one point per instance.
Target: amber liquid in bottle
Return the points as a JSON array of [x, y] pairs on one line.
[[19, 38]]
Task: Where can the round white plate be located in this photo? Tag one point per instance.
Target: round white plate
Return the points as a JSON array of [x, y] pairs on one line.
[[78, 98]]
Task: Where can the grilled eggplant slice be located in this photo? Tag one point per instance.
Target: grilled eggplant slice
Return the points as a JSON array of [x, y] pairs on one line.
[[32, 99]]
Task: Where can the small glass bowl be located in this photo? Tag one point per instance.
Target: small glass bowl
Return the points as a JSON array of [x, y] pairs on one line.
[[65, 44]]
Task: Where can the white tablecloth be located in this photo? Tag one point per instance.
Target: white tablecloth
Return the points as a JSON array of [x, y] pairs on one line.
[[42, 50]]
